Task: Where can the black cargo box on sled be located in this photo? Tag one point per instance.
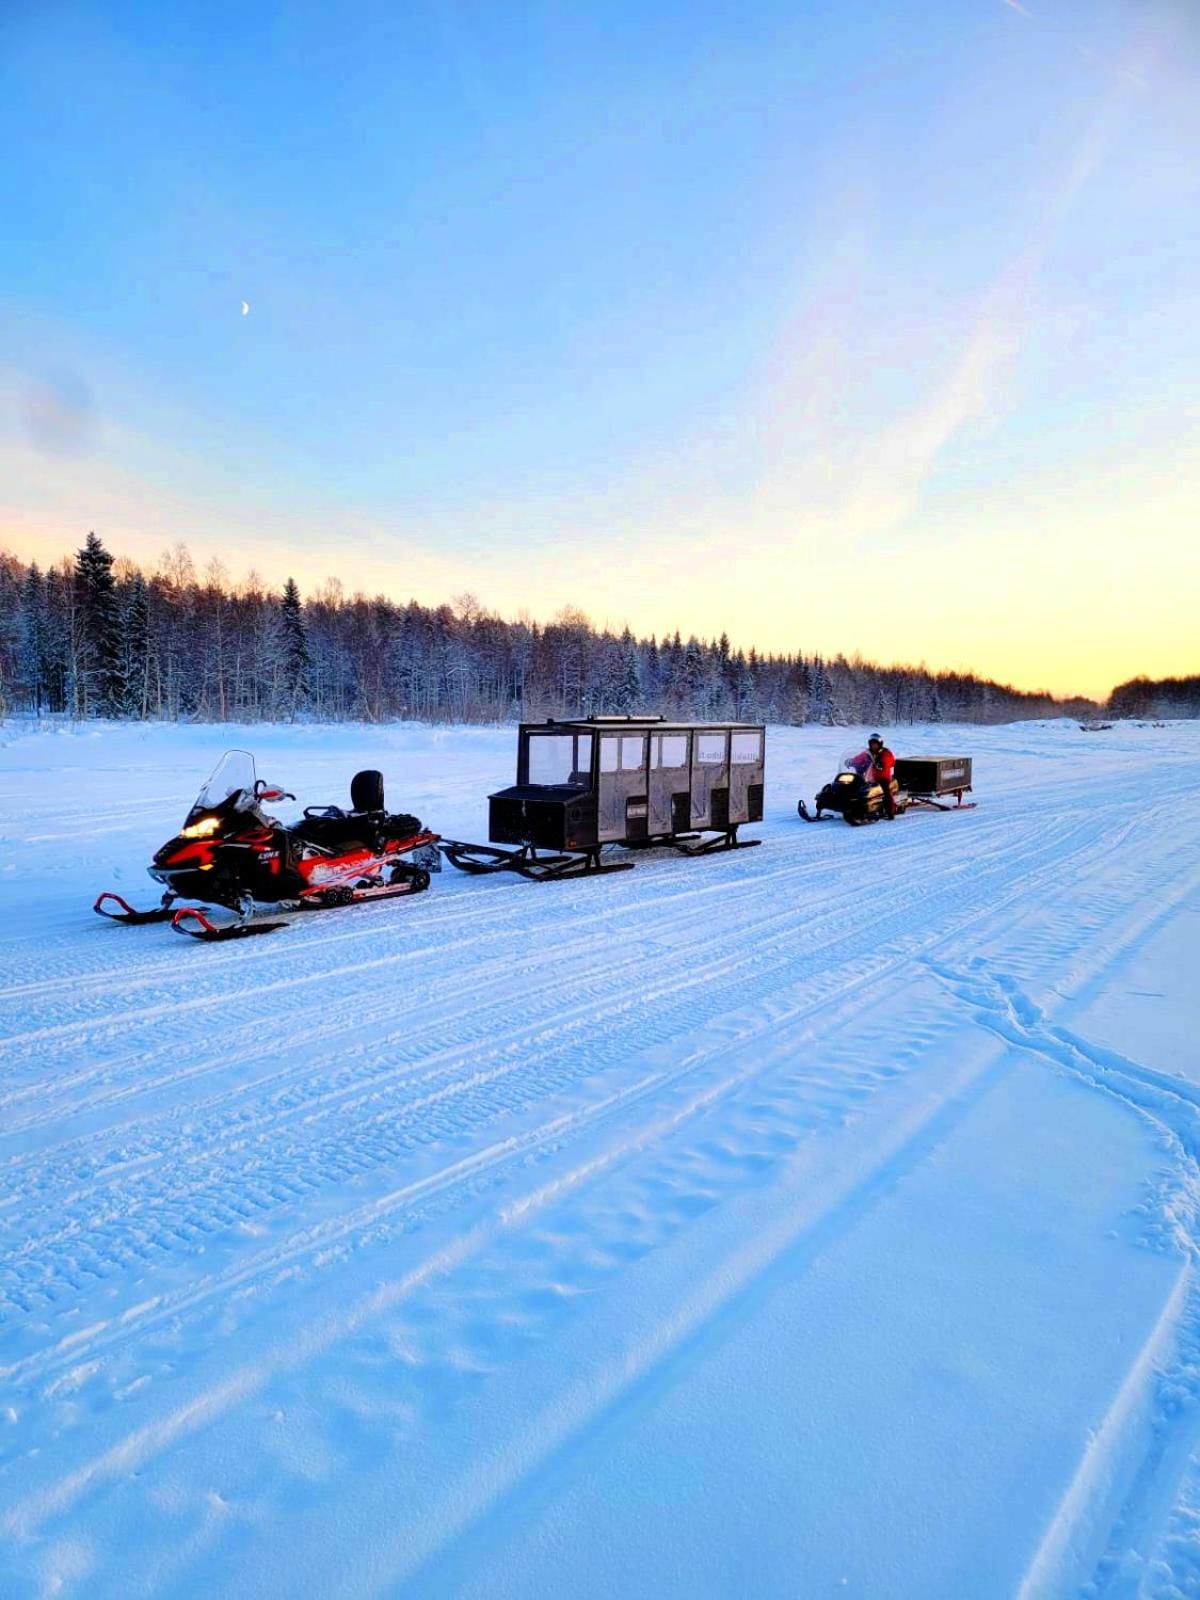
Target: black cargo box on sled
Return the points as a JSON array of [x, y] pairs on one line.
[[934, 774]]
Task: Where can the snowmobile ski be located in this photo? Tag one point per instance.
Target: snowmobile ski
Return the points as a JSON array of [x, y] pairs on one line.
[[131, 917], [211, 932], [806, 814]]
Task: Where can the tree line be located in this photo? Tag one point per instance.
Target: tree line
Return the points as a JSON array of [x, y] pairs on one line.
[[1156, 697], [99, 637]]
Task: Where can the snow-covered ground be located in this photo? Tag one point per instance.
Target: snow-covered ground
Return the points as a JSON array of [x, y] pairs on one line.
[[817, 1220]]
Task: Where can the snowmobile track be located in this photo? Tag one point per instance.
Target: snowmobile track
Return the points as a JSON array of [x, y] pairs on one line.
[[593, 1140], [194, 1199]]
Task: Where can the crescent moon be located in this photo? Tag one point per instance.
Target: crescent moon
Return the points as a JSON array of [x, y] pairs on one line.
[[245, 308]]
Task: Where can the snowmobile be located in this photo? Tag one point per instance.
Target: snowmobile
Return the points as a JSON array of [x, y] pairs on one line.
[[918, 782], [230, 853], [852, 797]]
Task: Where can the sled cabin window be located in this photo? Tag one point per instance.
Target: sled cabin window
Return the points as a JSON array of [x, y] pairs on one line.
[[560, 759], [745, 748], [710, 749], [609, 754], [633, 752], [669, 750]]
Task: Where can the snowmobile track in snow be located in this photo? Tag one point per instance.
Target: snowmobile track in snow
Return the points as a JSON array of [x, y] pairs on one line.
[[438, 1142], [93, 1242]]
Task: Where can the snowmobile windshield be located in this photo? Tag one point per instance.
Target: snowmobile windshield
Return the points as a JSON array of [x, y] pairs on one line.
[[232, 782]]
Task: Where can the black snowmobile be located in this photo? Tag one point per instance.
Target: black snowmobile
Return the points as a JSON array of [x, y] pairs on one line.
[[917, 785], [230, 853], [853, 797]]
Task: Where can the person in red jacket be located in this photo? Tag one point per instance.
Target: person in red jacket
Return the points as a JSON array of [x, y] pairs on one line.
[[877, 764]]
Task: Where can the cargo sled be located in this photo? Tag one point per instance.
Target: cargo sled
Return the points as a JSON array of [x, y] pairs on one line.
[[586, 783]]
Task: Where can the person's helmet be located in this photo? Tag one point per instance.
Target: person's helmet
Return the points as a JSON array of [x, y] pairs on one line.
[[874, 739]]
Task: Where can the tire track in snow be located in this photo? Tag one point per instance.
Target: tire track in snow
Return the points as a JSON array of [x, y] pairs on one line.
[[906, 1134], [474, 1022], [362, 1018], [282, 1192], [1159, 1401], [441, 914], [234, 962], [466, 1173], [200, 1404], [188, 1213], [869, 976], [793, 1230], [833, 912]]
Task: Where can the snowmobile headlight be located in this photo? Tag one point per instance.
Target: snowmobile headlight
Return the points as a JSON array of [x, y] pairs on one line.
[[201, 829]]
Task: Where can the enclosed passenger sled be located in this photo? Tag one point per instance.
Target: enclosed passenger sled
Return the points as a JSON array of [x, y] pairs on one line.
[[587, 783], [231, 854], [920, 783]]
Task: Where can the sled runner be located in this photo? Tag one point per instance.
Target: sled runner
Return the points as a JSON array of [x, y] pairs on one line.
[[231, 854], [486, 858]]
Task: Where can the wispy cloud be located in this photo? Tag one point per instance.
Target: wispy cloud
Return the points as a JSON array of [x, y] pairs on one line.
[[830, 474]]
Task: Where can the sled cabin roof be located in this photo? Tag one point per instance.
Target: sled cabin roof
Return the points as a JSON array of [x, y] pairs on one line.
[[648, 724]]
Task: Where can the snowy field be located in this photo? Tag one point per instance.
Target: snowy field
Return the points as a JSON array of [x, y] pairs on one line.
[[815, 1221]]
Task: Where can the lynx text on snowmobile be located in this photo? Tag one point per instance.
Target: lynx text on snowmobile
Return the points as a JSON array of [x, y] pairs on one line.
[[919, 783], [230, 853]]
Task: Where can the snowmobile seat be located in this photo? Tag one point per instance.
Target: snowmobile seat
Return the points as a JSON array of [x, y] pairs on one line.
[[334, 829], [367, 824]]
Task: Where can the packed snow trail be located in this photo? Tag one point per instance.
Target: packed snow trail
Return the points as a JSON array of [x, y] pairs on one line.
[[815, 1220]]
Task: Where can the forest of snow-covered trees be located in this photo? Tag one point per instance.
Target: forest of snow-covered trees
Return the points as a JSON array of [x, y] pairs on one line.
[[98, 637], [1156, 697]]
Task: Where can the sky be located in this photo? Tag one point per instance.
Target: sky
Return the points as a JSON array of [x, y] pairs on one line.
[[836, 324]]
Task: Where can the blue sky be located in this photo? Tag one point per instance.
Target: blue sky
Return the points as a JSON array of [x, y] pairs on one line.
[[838, 325]]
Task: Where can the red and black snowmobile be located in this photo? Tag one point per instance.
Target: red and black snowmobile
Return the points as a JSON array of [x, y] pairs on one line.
[[230, 853]]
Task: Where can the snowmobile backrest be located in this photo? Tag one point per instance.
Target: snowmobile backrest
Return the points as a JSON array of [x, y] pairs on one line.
[[366, 791]]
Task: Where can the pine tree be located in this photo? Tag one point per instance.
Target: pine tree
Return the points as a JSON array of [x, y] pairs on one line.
[[59, 588], [676, 675], [876, 707], [31, 647], [652, 665], [627, 686], [824, 705], [935, 702], [135, 650], [799, 704], [11, 583], [749, 707], [694, 679], [98, 637], [290, 653]]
